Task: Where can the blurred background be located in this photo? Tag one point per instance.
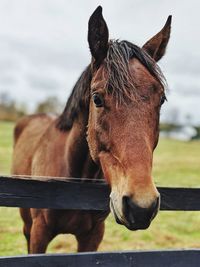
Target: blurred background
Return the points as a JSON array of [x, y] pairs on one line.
[[44, 49]]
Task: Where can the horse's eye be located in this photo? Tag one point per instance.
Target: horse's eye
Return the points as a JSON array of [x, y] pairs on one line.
[[162, 100], [98, 100]]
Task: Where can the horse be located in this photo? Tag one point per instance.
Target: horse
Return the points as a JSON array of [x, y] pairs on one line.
[[107, 131]]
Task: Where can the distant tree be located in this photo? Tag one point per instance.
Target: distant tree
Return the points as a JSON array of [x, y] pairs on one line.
[[198, 132], [50, 105], [9, 111]]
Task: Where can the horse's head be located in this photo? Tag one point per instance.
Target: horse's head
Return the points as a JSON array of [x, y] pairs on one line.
[[127, 92]]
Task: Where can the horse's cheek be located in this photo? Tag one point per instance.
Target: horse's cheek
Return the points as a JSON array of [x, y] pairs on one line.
[[92, 144]]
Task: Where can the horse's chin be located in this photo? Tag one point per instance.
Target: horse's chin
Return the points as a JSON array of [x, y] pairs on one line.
[[132, 226], [135, 227]]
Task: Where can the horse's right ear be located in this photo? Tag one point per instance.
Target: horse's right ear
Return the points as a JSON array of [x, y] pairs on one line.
[[98, 36], [156, 46]]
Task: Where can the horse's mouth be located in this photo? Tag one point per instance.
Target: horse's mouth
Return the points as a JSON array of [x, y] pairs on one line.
[[119, 221]]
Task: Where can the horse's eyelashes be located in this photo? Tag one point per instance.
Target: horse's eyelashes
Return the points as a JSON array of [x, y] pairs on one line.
[[162, 100], [98, 100]]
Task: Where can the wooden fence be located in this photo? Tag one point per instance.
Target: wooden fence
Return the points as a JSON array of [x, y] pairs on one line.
[[70, 194]]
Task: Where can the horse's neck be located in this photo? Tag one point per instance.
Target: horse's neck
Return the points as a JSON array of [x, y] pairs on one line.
[[91, 170], [80, 163]]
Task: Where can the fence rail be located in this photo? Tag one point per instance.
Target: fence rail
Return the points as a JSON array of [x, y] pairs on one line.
[[167, 258], [70, 194], [67, 194]]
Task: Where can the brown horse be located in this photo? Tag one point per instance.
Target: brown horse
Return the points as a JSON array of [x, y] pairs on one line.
[[108, 129]]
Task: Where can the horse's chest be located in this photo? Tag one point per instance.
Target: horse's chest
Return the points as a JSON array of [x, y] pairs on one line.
[[73, 222]]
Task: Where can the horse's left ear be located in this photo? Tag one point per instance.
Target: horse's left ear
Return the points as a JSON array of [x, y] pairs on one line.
[[156, 46], [98, 36]]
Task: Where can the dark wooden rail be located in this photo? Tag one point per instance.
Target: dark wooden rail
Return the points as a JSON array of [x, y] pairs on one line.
[[69, 194], [173, 258]]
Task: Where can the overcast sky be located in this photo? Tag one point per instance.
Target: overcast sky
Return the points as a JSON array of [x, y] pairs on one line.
[[43, 46]]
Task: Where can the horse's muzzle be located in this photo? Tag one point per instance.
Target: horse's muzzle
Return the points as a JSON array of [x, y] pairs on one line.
[[135, 217]]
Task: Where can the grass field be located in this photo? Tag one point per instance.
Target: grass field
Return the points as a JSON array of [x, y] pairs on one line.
[[175, 164]]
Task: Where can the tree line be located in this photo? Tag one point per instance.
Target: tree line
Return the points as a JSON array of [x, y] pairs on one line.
[[12, 111]]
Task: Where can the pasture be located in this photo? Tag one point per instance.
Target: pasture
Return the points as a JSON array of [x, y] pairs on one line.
[[175, 164]]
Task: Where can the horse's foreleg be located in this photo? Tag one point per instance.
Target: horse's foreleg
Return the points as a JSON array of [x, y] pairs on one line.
[[27, 234], [26, 217], [41, 235], [90, 241]]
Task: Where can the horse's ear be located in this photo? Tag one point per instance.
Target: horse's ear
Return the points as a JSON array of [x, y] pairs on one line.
[[98, 36], [156, 46]]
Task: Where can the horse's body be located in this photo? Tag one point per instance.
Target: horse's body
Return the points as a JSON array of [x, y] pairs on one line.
[[95, 138], [66, 156]]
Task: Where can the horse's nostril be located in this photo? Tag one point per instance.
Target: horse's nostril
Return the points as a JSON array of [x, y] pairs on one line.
[[126, 203]]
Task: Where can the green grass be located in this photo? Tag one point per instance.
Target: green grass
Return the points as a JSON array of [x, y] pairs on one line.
[[175, 164], [6, 133]]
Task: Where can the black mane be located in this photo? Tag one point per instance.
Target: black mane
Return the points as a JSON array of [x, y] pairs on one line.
[[119, 80], [78, 100]]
